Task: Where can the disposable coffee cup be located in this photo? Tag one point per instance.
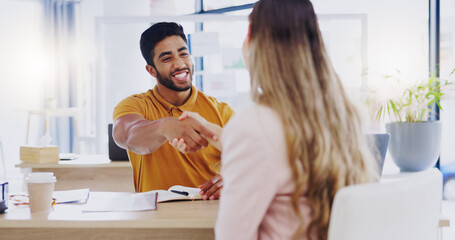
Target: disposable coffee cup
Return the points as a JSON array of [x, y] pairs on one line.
[[40, 187]]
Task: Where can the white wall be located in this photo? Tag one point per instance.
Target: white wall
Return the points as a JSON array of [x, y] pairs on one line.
[[397, 39], [397, 33], [23, 71]]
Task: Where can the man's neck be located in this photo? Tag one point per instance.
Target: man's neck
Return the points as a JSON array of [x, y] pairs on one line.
[[173, 97]]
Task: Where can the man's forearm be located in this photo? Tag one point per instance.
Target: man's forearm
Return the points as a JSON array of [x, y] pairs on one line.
[[139, 136], [145, 137]]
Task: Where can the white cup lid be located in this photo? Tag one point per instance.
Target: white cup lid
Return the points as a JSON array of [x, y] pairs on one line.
[[41, 177]]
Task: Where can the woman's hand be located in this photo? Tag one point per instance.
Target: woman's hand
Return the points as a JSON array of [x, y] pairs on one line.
[[193, 115], [180, 143]]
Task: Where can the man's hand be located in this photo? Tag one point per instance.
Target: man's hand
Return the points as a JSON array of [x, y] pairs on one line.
[[211, 189], [213, 139], [190, 131]]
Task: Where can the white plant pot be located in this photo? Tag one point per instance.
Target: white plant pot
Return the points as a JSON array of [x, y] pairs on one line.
[[414, 146]]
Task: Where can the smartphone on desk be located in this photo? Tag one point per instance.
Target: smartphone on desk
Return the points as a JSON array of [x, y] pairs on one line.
[[67, 156]]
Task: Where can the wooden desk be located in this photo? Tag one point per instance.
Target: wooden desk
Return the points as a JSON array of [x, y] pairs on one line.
[[96, 172], [173, 220]]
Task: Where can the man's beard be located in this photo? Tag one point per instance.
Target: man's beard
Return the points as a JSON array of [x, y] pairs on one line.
[[168, 83]]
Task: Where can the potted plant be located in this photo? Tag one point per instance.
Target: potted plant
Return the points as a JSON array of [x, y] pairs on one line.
[[415, 139]]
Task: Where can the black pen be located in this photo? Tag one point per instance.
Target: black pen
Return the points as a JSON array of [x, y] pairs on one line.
[[180, 192]]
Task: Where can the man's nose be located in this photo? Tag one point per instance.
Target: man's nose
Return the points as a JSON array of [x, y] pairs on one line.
[[179, 63]]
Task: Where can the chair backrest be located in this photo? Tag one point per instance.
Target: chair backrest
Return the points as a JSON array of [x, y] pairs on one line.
[[406, 207], [380, 141], [116, 153]]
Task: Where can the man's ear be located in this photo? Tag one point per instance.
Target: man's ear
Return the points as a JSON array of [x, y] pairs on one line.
[[151, 70]]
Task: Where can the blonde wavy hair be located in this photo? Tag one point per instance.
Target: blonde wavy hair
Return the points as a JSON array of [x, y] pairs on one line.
[[291, 73]]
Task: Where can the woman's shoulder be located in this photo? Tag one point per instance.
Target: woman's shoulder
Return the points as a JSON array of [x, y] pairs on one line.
[[257, 120], [253, 114]]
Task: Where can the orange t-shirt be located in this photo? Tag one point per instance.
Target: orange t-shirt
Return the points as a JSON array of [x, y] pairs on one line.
[[167, 166]]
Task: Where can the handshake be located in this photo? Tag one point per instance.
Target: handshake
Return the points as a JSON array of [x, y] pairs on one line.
[[198, 133]]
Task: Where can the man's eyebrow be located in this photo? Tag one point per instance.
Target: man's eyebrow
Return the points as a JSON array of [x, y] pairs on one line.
[[164, 53], [182, 48]]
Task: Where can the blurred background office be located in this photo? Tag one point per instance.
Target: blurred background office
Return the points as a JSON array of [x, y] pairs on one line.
[[81, 57]]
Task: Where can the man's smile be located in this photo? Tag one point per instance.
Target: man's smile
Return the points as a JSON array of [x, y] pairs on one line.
[[181, 75]]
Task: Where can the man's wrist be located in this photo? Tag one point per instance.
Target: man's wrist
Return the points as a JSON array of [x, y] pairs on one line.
[[164, 124]]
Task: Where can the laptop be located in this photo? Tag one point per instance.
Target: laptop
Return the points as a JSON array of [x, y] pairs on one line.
[[116, 153], [379, 143]]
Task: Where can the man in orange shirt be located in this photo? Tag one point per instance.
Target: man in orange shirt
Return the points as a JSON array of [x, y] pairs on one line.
[[145, 123]]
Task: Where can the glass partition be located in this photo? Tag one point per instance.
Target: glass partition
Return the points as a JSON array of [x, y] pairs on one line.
[[447, 114]]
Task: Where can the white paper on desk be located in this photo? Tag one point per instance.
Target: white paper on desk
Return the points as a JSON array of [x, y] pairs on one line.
[[65, 196], [72, 196], [134, 202]]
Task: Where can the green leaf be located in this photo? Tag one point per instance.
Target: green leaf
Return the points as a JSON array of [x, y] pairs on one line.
[[379, 114], [416, 102]]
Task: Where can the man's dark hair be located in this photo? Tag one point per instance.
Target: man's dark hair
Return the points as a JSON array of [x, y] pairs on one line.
[[155, 34]]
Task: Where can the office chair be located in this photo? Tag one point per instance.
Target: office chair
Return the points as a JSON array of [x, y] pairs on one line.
[[404, 208], [116, 153]]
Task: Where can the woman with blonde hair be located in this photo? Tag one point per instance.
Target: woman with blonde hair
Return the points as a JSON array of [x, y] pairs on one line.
[[285, 157]]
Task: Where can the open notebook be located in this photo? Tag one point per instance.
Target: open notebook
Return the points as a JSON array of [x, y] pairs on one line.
[[142, 201], [178, 193]]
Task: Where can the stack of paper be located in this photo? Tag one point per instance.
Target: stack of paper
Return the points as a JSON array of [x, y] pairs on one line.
[[72, 196], [133, 202]]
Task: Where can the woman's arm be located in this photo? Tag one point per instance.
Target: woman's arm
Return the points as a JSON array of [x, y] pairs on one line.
[[249, 179]]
